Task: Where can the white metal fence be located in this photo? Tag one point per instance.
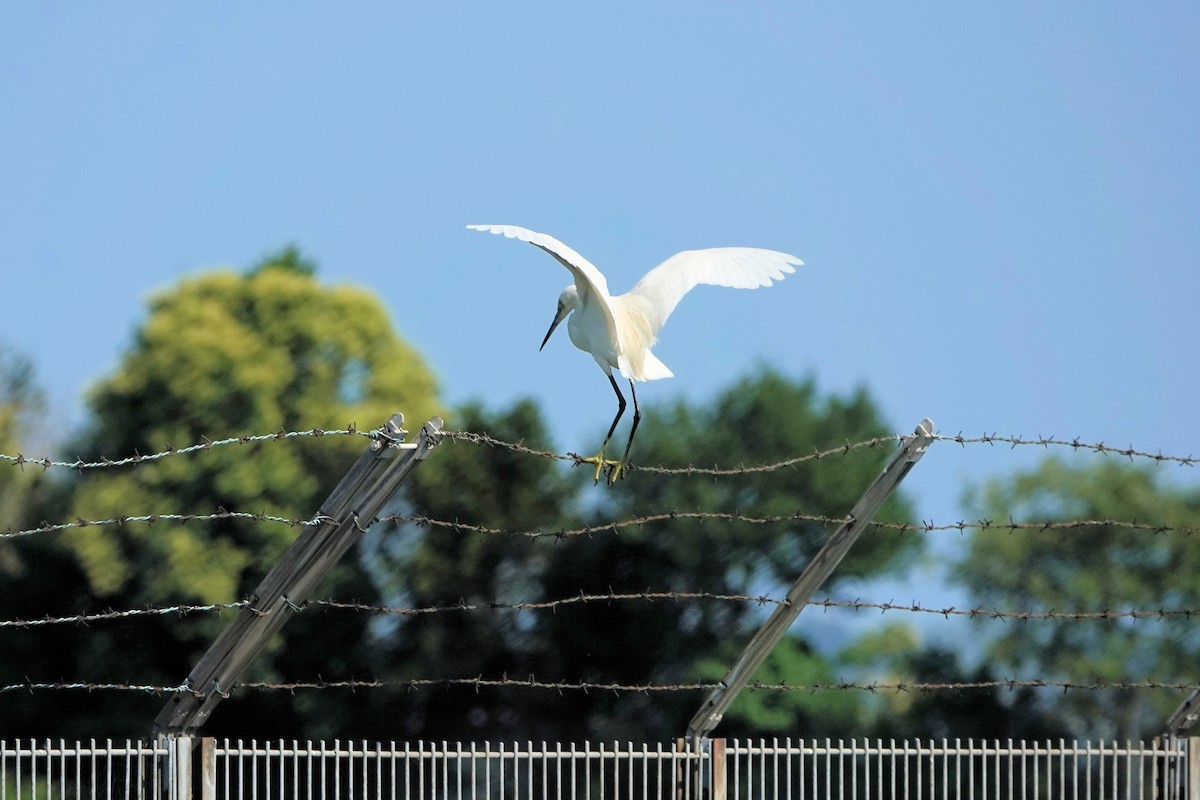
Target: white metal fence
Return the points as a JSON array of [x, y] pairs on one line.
[[720, 769], [45, 770]]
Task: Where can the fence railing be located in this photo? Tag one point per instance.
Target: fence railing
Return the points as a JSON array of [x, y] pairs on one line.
[[46, 770], [720, 769], [955, 769]]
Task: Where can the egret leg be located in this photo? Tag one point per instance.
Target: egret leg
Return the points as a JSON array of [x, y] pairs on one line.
[[599, 460], [618, 466]]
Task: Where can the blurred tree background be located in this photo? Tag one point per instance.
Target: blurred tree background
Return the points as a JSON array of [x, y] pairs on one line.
[[273, 348], [1090, 569]]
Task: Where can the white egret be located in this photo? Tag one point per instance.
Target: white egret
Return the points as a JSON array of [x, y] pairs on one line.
[[618, 331]]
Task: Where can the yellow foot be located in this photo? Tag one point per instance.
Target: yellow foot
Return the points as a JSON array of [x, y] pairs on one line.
[[602, 464], [616, 471]]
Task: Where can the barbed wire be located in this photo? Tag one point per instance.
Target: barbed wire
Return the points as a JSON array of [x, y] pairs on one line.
[[31, 686], [827, 604], [798, 516], [576, 459], [45, 463], [1075, 444], [611, 597], [485, 439], [46, 527], [83, 619], [617, 688], [615, 526], [531, 682]]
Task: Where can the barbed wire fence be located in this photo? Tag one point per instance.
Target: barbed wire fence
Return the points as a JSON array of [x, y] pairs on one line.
[[482, 439]]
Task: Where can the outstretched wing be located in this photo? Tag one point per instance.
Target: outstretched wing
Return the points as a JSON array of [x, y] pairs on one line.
[[661, 289], [588, 279]]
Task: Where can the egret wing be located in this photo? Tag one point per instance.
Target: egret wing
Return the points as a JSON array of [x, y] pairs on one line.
[[588, 279], [661, 289]]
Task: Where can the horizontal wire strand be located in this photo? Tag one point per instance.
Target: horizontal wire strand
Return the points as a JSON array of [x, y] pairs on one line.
[[45, 463], [531, 682], [483, 438], [611, 597], [615, 526]]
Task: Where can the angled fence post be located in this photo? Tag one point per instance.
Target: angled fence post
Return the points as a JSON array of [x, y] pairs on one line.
[[355, 502], [819, 568], [1186, 715]]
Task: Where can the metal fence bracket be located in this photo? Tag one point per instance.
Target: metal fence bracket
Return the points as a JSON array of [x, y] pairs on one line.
[[815, 573], [351, 506]]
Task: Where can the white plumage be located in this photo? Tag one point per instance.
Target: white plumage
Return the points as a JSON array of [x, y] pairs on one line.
[[619, 330]]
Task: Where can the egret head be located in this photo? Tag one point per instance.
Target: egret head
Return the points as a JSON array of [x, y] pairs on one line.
[[567, 301]]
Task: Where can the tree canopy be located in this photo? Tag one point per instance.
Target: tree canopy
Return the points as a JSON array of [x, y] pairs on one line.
[[493, 586], [1095, 567], [226, 354], [221, 354]]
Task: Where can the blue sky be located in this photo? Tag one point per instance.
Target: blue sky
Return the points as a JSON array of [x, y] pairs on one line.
[[997, 204]]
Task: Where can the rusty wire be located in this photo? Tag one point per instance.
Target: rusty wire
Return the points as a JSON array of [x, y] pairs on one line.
[[531, 682], [483, 438], [1074, 444], [104, 616], [615, 526], [45, 463], [901, 527], [827, 604], [1045, 442], [612, 597], [150, 519]]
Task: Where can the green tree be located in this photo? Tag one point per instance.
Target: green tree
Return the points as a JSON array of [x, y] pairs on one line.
[[223, 354], [767, 712], [633, 642], [762, 419], [226, 354], [20, 401], [1091, 568], [37, 577], [892, 654], [434, 566]]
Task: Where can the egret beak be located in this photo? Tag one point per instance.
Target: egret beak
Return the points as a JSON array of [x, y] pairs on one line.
[[558, 317]]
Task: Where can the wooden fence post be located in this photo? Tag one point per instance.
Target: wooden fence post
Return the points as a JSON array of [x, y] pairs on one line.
[[719, 788], [208, 768]]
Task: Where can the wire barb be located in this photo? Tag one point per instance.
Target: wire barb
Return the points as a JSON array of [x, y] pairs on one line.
[[479, 683], [204, 444]]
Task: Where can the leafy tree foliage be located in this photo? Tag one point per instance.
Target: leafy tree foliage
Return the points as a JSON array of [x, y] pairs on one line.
[[795, 662], [224, 354], [219, 355], [762, 419], [1091, 569], [36, 576], [20, 401], [632, 642], [437, 567], [892, 654]]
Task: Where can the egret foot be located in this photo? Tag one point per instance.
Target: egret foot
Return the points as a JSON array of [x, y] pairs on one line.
[[602, 464], [616, 471]]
